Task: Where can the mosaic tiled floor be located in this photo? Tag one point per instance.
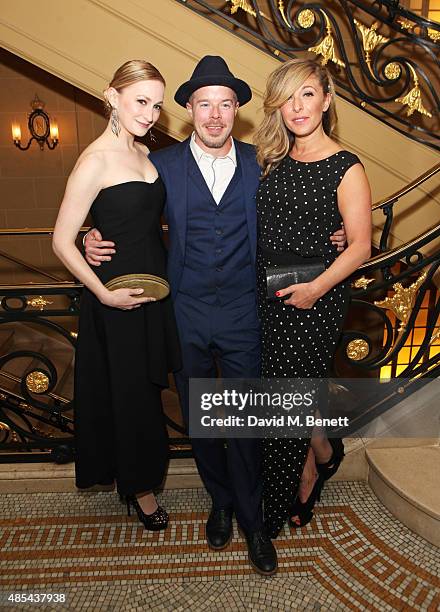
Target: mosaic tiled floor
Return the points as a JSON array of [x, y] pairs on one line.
[[353, 556]]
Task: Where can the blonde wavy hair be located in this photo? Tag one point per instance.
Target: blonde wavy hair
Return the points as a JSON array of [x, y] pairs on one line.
[[273, 140], [129, 73]]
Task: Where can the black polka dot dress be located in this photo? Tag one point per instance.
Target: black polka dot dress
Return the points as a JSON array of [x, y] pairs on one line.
[[297, 212]]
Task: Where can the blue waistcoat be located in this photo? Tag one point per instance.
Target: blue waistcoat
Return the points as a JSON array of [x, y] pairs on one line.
[[218, 265]]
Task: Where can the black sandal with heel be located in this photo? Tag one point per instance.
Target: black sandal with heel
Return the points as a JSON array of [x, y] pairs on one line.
[[302, 513]]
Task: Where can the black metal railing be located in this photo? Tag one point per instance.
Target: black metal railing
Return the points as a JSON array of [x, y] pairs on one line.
[[36, 410], [383, 57], [386, 300], [36, 415]]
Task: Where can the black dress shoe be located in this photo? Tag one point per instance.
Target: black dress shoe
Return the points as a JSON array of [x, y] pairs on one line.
[[262, 553], [219, 528]]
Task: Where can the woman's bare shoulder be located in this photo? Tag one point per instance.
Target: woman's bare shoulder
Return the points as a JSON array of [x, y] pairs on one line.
[[94, 157]]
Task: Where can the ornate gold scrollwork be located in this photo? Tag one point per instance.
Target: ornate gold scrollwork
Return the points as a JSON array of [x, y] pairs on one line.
[[402, 302], [357, 349], [37, 382], [38, 302], [413, 98], [362, 282], [326, 47], [392, 71], [4, 426], [74, 334], [370, 39]]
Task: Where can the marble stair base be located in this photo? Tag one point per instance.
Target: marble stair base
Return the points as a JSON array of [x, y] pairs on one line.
[[182, 473], [407, 482], [52, 478]]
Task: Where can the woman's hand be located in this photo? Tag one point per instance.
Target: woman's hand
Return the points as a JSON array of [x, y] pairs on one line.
[[302, 295], [125, 299]]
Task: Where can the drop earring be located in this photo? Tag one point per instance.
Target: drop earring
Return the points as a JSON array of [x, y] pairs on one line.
[[152, 136], [114, 122]]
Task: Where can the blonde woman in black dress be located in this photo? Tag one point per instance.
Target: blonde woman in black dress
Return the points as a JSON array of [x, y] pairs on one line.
[[309, 184], [127, 342]]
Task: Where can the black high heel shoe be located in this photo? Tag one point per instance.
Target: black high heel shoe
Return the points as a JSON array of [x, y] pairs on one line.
[[301, 513], [153, 522], [329, 468]]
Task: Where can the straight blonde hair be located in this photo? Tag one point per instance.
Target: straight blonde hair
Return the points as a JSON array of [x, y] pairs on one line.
[[132, 72], [273, 140]]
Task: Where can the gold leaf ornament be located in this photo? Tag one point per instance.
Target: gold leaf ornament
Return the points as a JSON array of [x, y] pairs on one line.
[[413, 99], [405, 24], [403, 300], [434, 35], [370, 39], [326, 47], [38, 302], [362, 282], [244, 5]]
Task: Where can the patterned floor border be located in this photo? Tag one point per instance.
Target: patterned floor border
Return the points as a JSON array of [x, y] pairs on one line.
[[353, 556]]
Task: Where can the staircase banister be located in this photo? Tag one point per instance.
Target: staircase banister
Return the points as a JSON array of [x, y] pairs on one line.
[[407, 188], [390, 257]]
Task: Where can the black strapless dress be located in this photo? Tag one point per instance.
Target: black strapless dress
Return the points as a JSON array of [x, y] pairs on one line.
[[123, 356]]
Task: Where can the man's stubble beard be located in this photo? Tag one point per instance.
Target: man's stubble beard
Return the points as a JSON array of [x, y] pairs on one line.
[[213, 144]]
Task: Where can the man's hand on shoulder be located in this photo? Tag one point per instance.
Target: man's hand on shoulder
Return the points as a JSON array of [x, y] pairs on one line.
[[97, 249]]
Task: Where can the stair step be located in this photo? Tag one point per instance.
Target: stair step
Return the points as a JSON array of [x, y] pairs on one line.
[[182, 473], [52, 478], [406, 480]]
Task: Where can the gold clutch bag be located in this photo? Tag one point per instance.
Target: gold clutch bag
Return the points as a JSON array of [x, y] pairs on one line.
[[153, 286]]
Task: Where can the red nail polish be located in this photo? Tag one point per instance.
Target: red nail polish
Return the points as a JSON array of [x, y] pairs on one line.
[[278, 293]]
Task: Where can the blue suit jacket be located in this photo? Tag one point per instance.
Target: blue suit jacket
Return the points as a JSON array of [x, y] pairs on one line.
[[173, 165]]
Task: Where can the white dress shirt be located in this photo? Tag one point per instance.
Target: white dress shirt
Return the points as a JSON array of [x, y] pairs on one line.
[[217, 171]]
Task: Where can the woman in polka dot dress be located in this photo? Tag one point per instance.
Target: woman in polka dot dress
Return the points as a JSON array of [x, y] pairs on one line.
[[309, 184]]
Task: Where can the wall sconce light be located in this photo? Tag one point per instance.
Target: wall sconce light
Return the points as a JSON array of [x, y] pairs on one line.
[[40, 127]]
